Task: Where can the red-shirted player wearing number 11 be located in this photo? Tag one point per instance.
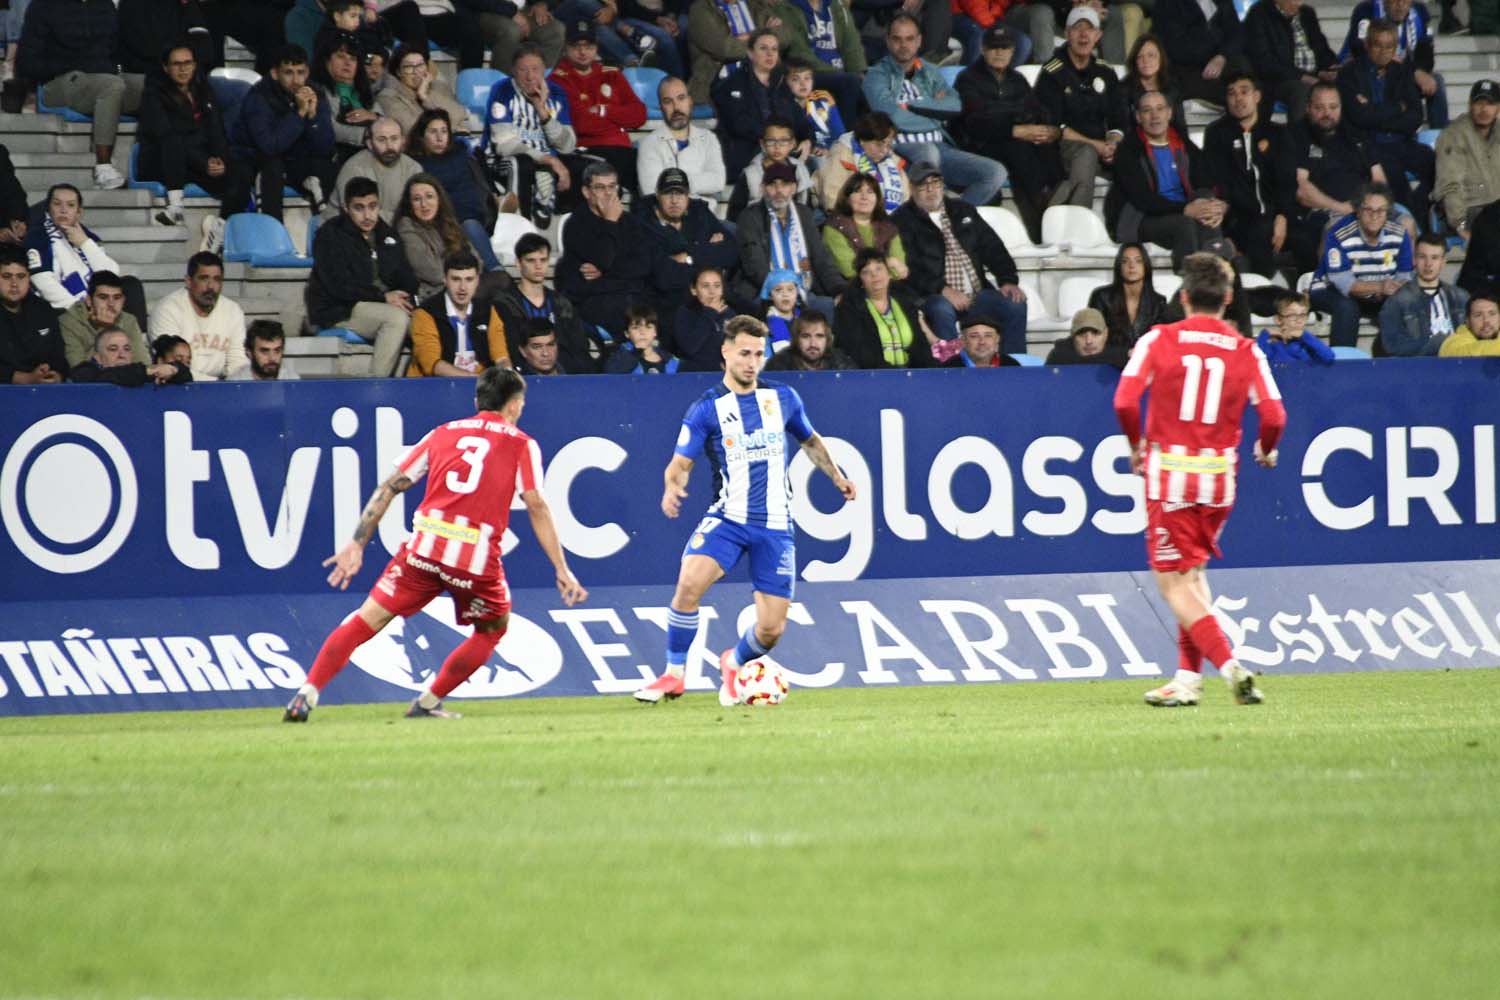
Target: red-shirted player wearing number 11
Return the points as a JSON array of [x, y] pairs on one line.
[[1201, 373]]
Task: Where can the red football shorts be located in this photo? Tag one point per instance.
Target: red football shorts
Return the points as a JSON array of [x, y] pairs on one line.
[[410, 582], [1180, 536]]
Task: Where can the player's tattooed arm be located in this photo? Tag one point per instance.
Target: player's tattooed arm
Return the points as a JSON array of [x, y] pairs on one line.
[[818, 452], [347, 560]]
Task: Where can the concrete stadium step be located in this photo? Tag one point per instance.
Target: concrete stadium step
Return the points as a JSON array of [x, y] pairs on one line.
[[134, 245]]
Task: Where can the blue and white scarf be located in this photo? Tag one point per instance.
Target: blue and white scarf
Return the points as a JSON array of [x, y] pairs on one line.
[[741, 22], [788, 244], [820, 32], [887, 172], [74, 279]]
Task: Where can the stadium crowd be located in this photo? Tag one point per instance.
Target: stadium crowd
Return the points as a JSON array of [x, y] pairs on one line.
[[840, 193]]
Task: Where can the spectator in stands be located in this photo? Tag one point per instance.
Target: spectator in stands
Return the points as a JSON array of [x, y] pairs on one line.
[[675, 142], [1290, 340], [819, 109], [110, 361], [1366, 258], [1481, 268], [698, 329], [461, 178], [285, 130], [1424, 312], [360, 279], [62, 254], [1083, 95], [31, 346], [1478, 338], [777, 144], [953, 254], [68, 47], [382, 161], [1285, 44], [336, 73], [881, 323], [200, 313], [859, 220], [415, 88], [1146, 71], [265, 345], [375, 62], [918, 100], [169, 348], [1121, 24], [812, 348], [1249, 158], [1380, 98], [981, 340], [149, 27], [430, 232], [1204, 39], [719, 35], [1087, 343], [530, 125], [182, 139], [823, 35], [780, 305], [642, 354], [530, 297], [506, 28], [1468, 160], [602, 267], [457, 332], [664, 21], [680, 234], [539, 355], [1130, 304], [869, 149], [1414, 47], [750, 97], [103, 308], [13, 208], [452, 24], [1004, 120], [602, 102], [1333, 163], [776, 232]]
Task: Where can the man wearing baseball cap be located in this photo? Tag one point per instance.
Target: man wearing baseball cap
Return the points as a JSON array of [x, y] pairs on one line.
[[682, 235], [1084, 97], [1468, 160], [603, 103], [1088, 344]]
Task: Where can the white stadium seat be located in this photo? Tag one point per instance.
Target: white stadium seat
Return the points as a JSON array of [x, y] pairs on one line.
[[1012, 232], [1166, 284], [1036, 308], [1077, 229], [1073, 295], [1030, 71]]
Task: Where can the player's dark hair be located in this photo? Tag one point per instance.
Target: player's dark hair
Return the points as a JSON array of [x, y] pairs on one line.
[[749, 326], [531, 243], [1205, 282], [497, 386], [266, 330], [1433, 239], [640, 312], [202, 259], [65, 187], [360, 187], [536, 326], [875, 125], [12, 253], [463, 260], [105, 279], [164, 345]]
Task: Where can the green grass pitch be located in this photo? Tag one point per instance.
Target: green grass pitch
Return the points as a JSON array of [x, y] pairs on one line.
[[1038, 840]]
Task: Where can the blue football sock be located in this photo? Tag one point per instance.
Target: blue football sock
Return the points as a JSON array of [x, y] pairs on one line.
[[682, 629], [749, 647]]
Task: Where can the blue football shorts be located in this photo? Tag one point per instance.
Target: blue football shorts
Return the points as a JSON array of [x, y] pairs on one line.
[[773, 554]]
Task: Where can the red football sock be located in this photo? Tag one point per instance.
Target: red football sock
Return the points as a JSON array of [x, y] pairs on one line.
[[1206, 634], [1188, 657], [463, 661], [337, 648]]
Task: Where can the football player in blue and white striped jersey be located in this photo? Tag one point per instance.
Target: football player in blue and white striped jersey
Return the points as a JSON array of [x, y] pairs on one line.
[[742, 425]]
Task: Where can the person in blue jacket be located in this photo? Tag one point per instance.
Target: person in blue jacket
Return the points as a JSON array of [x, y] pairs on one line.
[[1289, 339], [285, 129]]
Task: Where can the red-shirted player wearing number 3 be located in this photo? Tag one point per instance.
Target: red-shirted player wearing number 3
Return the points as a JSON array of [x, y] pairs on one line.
[[1201, 373], [474, 468]]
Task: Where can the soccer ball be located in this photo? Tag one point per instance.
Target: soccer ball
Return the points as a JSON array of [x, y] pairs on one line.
[[762, 683]]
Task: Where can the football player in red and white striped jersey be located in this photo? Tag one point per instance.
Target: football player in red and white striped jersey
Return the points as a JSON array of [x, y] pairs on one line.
[[1201, 372], [474, 467]]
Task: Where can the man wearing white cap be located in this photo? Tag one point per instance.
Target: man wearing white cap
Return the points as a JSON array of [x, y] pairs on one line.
[[1084, 97]]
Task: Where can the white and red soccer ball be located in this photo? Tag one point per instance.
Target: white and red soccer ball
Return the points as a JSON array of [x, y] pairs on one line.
[[762, 683]]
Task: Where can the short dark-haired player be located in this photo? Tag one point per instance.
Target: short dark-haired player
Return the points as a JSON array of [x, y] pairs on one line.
[[1201, 373], [474, 466], [741, 424]]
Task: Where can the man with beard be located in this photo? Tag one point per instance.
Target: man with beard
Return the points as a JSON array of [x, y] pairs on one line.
[[1333, 163], [676, 142], [1381, 99], [683, 235], [812, 348], [213, 325], [264, 343], [111, 362], [383, 162]]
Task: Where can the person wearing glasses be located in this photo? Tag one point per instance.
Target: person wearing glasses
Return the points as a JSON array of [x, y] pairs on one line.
[[1366, 259], [1290, 340], [415, 88], [603, 268]]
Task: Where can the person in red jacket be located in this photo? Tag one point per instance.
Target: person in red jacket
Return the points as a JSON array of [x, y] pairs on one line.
[[603, 104]]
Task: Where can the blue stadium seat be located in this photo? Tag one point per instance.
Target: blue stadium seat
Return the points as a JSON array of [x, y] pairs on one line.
[[230, 92], [312, 233], [1429, 137], [950, 73], [347, 335], [702, 112], [1350, 354], [1028, 360], [644, 80], [157, 188], [262, 241], [474, 86]]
